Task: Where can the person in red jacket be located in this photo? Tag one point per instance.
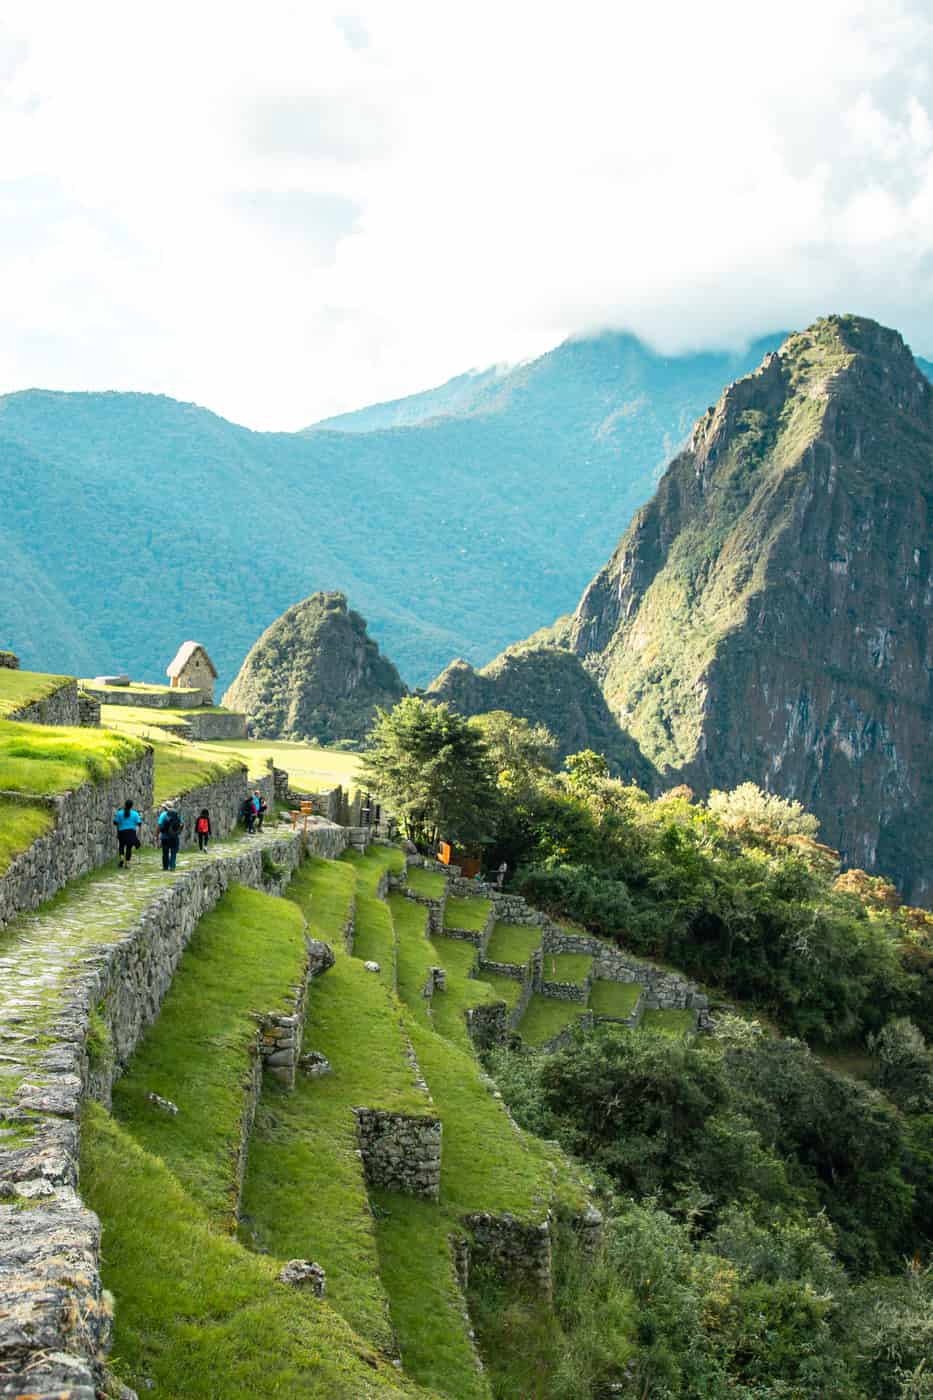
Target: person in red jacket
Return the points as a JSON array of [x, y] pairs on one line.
[[203, 828]]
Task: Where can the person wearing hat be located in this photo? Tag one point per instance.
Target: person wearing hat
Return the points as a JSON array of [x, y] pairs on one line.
[[170, 825]]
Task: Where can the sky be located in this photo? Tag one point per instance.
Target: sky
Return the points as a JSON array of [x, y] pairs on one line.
[[283, 211]]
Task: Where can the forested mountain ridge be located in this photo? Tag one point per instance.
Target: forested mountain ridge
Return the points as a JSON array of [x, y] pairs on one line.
[[768, 616], [133, 520]]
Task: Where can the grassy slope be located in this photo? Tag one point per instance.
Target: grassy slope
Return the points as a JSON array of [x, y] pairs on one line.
[[45, 759], [19, 688], [546, 1017], [430, 883], [466, 912], [666, 1022], [21, 823], [199, 1315], [245, 955], [179, 766], [614, 998], [305, 1195], [308, 767], [513, 943], [567, 967]]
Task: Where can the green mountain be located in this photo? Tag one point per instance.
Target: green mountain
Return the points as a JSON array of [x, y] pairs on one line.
[[315, 674], [132, 521], [769, 614]]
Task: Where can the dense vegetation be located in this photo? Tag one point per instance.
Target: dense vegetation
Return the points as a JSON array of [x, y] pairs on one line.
[[420, 525]]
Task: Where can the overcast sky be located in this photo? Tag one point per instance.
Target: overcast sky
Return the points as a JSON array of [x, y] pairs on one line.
[[285, 210]]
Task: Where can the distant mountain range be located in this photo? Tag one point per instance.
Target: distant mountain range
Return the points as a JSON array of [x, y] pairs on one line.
[[456, 520]]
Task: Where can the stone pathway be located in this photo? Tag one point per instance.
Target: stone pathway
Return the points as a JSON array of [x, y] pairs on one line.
[[42, 953]]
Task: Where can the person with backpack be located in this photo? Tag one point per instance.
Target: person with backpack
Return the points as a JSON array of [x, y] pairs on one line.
[[127, 821], [170, 825], [203, 829], [261, 809], [248, 814]]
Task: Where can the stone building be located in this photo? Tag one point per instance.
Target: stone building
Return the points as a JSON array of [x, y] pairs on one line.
[[191, 666]]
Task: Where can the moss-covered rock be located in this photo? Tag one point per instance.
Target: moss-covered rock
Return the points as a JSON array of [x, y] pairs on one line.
[[315, 674]]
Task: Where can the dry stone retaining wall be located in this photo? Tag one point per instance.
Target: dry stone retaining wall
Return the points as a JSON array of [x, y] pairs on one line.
[[61, 707], [149, 699], [664, 989], [518, 1250], [222, 799], [400, 1151], [81, 840]]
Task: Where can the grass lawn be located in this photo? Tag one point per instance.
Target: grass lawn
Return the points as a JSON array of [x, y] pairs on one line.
[[21, 823], [245, 955], [139, 720], [415, 1261], [507, 989], [42, 758], [430, 883], [305, 1193], [179, 767], [310, 769], [546, 1017], [137, 688], [566, 967], [617, 999], [371, 866], [675, 1023], [19, 688], [199, 1315], [513, 943], [466, 913]]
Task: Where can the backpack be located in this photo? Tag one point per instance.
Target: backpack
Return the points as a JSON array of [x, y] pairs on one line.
[[171, 825], [203, 825]]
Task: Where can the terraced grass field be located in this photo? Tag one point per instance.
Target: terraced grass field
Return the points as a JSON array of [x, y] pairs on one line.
[[513, 943], [546, 1017], [20, 688], [616, 999], [464, 912]]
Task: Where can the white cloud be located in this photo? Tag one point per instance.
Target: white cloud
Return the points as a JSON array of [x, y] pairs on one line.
[[285, 211]]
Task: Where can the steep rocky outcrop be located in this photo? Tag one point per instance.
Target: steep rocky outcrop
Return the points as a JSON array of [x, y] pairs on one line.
[[315, 674], [545, 685], [767, 615]]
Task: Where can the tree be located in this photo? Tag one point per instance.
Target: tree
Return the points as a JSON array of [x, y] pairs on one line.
[[432, 770], [522, 754], [750, 804]]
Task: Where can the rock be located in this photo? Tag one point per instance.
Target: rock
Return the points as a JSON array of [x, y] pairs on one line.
[[111, 680], [372, 966], [165, 1105], [320, 957], [314, 1064], [304, 1273]]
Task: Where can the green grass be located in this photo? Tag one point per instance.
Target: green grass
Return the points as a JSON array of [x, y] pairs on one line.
[[309, 768], [546, 1017], [466, 913], [674, 1023], [20, 688], [415, 1261], [566, 967], [45, 759], [513, 943], [179, 768], [245, 955], [138, 719], [21, 823], [197, 1313], [507, 989], [305, 1194], [430, 883], [371, 866], [617, 999], [137, 688]]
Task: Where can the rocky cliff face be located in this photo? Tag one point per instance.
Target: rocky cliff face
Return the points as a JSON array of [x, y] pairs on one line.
[[315, 674], [767, 615], [545, 685]]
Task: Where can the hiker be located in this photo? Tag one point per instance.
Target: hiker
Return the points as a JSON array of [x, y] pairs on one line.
[[170, 825], [127, 821], [501, 874], [203, 828], [261, 809], [248, 814]]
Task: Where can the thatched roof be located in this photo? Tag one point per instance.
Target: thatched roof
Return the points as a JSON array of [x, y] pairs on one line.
[[184, 654]]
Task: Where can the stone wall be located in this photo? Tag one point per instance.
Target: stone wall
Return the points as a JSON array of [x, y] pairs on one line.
[[400, 1151], [146, 699], [88, 711], [61, 707], [82, 839], [518, 1250], [54, 1320], [665, 989], [222, 799], [209, 725], [488, 1024]]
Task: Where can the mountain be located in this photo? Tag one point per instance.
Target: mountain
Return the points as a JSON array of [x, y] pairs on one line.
[[545, 685], [315, 674], [131, 521], [769, 614]]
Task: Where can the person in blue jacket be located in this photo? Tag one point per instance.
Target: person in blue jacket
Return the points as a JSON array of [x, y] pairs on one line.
[[170, 825], [127, 821]]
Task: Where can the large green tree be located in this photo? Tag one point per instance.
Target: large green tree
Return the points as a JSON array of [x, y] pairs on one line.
[[432, 770]]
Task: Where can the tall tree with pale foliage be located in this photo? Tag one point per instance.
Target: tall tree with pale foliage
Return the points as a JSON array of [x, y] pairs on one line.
[[751, 804]]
